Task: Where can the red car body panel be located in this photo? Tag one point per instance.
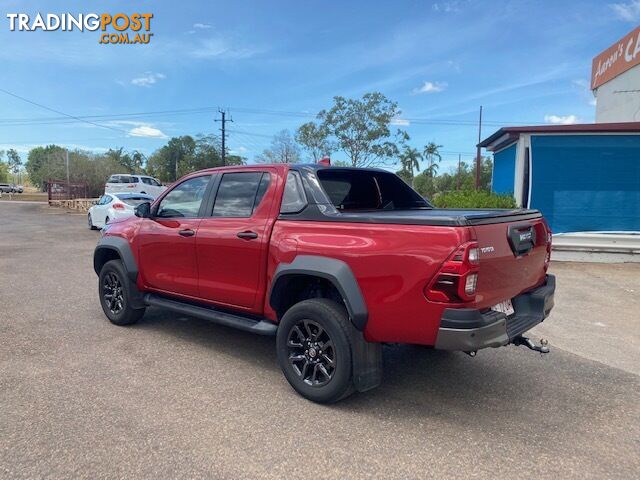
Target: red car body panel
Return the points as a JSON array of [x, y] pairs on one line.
[[393, 264]]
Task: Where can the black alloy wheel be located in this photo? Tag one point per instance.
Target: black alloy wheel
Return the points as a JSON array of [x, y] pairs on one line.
[[311, 353], [113, 293], [314, 350]]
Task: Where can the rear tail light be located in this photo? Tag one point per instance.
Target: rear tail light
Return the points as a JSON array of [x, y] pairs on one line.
[[118, 206], [457, 279], [131, 186]]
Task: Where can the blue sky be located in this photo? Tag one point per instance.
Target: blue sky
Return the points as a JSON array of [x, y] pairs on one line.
[[275, 64]]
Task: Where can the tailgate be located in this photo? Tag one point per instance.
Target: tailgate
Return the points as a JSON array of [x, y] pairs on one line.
[[512, 259]]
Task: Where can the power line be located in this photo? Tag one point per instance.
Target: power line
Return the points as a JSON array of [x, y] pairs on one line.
[[61, 113], [208, 109]]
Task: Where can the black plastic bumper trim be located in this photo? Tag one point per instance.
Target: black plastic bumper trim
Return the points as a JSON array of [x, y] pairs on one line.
[[467, 329]]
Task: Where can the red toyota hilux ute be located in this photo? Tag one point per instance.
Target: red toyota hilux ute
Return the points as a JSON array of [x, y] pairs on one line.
[[332, 261]]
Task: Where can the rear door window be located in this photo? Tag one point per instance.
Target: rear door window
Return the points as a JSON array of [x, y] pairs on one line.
[[240, 193], [146, 181]]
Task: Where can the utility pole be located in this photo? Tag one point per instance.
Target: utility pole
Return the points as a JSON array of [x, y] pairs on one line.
[[223, 120], [458, 176], [478, 158], [66, 151]]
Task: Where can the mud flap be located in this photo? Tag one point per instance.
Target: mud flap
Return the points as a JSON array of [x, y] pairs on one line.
[[367, 362]]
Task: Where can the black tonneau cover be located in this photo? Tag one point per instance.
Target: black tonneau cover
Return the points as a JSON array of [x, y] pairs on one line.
[[435, 216]]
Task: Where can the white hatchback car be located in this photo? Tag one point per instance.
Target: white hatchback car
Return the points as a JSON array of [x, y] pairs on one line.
[[125, 183], [114, 206]]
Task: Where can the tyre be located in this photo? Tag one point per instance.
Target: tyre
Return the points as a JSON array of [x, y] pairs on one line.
[[314, 350], [90, 222], [113, 288]]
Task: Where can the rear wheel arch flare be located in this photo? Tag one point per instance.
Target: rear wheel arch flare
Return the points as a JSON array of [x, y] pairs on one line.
[[291, 279]]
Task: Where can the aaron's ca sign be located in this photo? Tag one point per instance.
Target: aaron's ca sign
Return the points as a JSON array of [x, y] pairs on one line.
[[119, 28], [616, 59]]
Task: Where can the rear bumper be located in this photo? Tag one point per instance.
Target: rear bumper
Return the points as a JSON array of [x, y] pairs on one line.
[[468, 330]]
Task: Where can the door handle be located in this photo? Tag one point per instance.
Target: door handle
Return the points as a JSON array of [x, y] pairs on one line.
[[187, 233], [248, 235]]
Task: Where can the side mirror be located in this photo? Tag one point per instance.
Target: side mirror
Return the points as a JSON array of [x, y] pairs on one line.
[[143, 210]]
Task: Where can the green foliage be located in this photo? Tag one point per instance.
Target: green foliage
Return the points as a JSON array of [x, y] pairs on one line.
[[431, 154], [14, 162], [49, 163], [458, 178], [44, 163], [315, 140], [473, 199], [283, 149], [182, 155], [410, 161], [131, 162], [4, 172], [360, 128]]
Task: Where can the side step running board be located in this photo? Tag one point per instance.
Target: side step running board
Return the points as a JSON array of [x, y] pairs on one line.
[[261, 327]]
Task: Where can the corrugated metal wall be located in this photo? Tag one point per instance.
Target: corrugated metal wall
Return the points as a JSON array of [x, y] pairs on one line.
[[587, 182], [504, 167]]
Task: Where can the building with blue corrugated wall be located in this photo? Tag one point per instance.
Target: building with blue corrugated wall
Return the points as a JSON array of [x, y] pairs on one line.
[[582, 177]]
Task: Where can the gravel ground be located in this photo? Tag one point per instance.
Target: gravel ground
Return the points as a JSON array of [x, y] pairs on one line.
[[174, 397]]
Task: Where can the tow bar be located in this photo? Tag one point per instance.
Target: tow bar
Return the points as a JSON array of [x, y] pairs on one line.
[[527, 342]]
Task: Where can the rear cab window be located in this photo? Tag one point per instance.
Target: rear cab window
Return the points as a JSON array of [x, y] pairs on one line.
[[294, 198], [350, 190]]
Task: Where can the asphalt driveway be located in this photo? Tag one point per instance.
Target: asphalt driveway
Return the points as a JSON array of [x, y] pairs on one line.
[[175, 397]]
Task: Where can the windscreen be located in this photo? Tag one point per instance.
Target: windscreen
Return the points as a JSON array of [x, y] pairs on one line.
[[368, 190]]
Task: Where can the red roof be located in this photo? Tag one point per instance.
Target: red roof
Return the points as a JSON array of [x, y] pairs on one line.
[[511, 134]]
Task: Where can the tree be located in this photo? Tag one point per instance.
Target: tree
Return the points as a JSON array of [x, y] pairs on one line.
[[410, 161], [172, 160], [283, 150], [14, 162], [4, 172], [44, 163], [361, 128], [314, 139], [131, 162], [431, 153]]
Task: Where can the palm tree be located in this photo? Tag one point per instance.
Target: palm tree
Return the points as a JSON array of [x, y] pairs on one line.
[[431, 154], [410, 160]]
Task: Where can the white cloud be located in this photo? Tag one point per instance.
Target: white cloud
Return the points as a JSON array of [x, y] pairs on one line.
[[221, 49], [402, 122], [148, 79], [452, 6], [430, 87], [202, 26], [239, 151], [561, 119], [629, 12], [146, 131]]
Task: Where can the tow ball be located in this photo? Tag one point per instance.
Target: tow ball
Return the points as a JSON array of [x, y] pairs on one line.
[[527, 342]]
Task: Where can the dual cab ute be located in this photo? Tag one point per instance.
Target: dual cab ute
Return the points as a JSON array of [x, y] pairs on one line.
[[332, 261]]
